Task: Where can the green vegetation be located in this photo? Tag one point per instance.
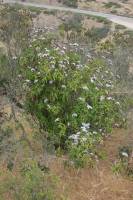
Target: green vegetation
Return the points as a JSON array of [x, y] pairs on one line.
[[59, 99], [112, 4], [123, 164], [71, 101], [75, 32], [29, 183], [97, 34], [70, 3]]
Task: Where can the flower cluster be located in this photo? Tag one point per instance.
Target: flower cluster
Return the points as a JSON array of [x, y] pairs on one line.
[[71, 100]]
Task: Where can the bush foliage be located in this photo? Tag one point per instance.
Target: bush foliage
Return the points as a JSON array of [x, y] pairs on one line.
[[71, 100]]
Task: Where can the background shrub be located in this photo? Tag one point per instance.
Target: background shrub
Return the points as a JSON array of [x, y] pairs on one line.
[[70, 3], [28, 183]]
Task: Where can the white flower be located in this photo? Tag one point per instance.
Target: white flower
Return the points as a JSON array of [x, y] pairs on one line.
[[49, 106], [117, 125], [124, 154], [57, 119], [14, 57], [102, 98], [45, 55], [89, 107], [83, 139], [92, 80], [62, 52], [117, 103], [110, 62], [46, 50], [68, 124], [74, 115], [35, 81], [110, 98], [78, 133], [45, 100], [118, 76], [66, 61], [51, 58], [79, 66], [88, 56], [85, 127], [108, 85], [98, 70], [62, 65], [19, 75], [50, 82], [37, 48], [38, 73], [43, 38], [40, 55], [60, 62], [75, 137], [85, 87], [63, 86], [53, 66], [32, 69], [94, 77], [27, 81], [34, 39], [76, 44], [57, 48], [81, 99]]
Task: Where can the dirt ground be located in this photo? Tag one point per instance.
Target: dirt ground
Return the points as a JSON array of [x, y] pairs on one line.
[[119, 7], [99, 183]]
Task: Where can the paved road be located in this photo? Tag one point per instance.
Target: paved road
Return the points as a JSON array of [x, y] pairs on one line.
[[125, 21]]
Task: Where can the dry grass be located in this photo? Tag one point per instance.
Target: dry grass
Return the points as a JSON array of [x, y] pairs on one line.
[[124, 8], [98, 183]]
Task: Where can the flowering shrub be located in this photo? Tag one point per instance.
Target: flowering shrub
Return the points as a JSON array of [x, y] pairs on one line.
[[71, 100]]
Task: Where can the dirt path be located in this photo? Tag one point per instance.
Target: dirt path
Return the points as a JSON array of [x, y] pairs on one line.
[[125, 21]]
